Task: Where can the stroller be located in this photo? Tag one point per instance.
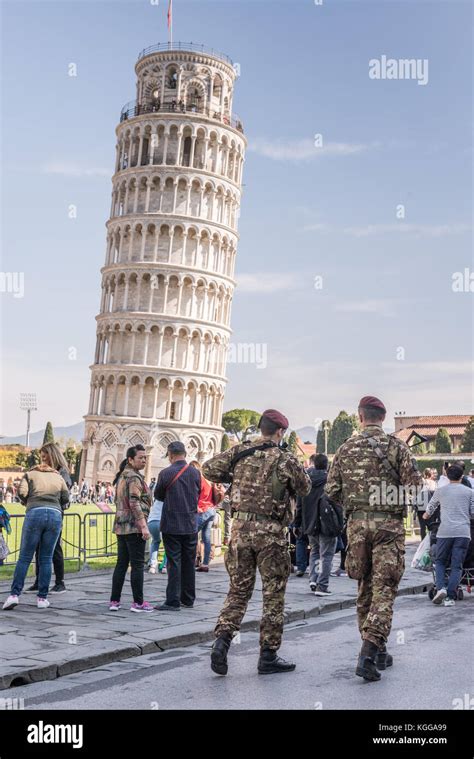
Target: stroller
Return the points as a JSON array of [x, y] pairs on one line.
[[467, 576]]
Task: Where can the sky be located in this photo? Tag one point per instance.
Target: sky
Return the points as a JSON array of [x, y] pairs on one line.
[[356, 216]]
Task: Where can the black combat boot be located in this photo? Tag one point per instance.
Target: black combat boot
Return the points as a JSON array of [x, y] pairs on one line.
[[219, 654], [366, 664], [383, 659], [270, 663]]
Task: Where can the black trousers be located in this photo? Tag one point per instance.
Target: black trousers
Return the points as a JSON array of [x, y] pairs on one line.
[[130, 550], [422, 523], [58, 562], [181, 555]]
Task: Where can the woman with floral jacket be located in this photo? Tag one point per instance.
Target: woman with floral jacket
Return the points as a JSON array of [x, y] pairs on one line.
[[133, 503]]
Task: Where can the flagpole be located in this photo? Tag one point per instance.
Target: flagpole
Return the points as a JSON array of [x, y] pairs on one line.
[[170, 23]]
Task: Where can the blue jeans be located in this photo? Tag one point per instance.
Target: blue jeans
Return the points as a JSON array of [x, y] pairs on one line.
[[302, 553], [41, 526], [204, 526], [322, 549], [155, 532], [450, 551]]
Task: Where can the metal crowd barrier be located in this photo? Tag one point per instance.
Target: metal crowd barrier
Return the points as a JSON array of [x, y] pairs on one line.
[[71, 538], [98, 540]]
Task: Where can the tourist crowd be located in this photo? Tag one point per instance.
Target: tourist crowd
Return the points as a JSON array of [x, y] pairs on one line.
[[181, 505]]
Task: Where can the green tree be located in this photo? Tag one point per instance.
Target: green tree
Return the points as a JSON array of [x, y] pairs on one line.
[[225, 442], [442, 441], [293, 443], [320, 442], [342, 428], [467, 442], [236, 421], [22, 459], [33, 459], [77, 466], [70, 454], [48, 436]]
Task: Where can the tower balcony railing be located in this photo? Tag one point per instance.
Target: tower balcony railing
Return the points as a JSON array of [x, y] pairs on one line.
[[134, 108], [192, 47]]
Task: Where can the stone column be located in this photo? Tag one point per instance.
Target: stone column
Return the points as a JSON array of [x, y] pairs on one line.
[[148, 190], [170, 245], [140, 150], [127, 396], [175, 348], [180, 293], [141, 386], [170, 399], [137, 189], [125, 297], [165, 151], [132, 352], [188, 198], [165, 300], [125, 202], [147, 344], [175, 192], [193, 146], [180, 142], [160, 345]]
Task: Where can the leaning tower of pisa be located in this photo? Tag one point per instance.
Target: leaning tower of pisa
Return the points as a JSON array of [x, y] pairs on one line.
[[167, 282]]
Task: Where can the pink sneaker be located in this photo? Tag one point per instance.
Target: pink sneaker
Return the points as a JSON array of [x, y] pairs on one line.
[[114, 606], [11, 602], [145, 606]]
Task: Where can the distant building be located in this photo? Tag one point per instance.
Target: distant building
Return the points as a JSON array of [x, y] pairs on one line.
[[306, 450], [428, 426]]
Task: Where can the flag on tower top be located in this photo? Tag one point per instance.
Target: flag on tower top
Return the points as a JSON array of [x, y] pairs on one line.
[[170, 22]]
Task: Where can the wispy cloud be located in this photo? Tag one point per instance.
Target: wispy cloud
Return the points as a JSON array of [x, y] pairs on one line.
[[417, 230], [299, 150], [381, 307], [71, 169], [264, 282], [317, 227]]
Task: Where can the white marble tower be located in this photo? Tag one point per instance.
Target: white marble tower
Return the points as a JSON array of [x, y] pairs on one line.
[[168, 279]]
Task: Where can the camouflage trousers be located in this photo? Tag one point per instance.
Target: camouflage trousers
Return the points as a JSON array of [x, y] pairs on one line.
[[376, 558], [249, 551]]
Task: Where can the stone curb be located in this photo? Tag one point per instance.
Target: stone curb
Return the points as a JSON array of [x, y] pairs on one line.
[[25, 675]]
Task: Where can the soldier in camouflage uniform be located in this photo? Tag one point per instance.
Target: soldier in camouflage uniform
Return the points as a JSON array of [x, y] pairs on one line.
[[264, 477], [365, 478]]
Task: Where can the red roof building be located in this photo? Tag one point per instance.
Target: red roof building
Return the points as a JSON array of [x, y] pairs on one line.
[[428, 426]]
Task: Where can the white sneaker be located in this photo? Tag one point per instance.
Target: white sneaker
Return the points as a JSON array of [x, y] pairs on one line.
[[11, 602], [42, 603], [449, 602], [440, 596], [152, 571]]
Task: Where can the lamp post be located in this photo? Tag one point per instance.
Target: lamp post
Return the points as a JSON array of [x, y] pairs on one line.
[[325, 430], [28, 404]]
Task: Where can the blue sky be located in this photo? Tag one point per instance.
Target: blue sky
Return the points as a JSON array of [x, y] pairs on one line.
[[306, 211]]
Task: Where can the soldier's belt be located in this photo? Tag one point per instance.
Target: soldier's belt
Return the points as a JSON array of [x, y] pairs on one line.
[[377, 515], [249, 516]]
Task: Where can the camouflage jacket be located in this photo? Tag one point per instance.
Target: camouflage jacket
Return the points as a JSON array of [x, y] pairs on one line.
[[262, 483], [133, 500], [358, 480]]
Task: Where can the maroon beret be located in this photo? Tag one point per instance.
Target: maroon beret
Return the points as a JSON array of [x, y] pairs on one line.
[[373, 402], [277, 417]]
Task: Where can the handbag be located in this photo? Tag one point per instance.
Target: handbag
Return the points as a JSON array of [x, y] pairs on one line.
[[217, 494], [4, 550]]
